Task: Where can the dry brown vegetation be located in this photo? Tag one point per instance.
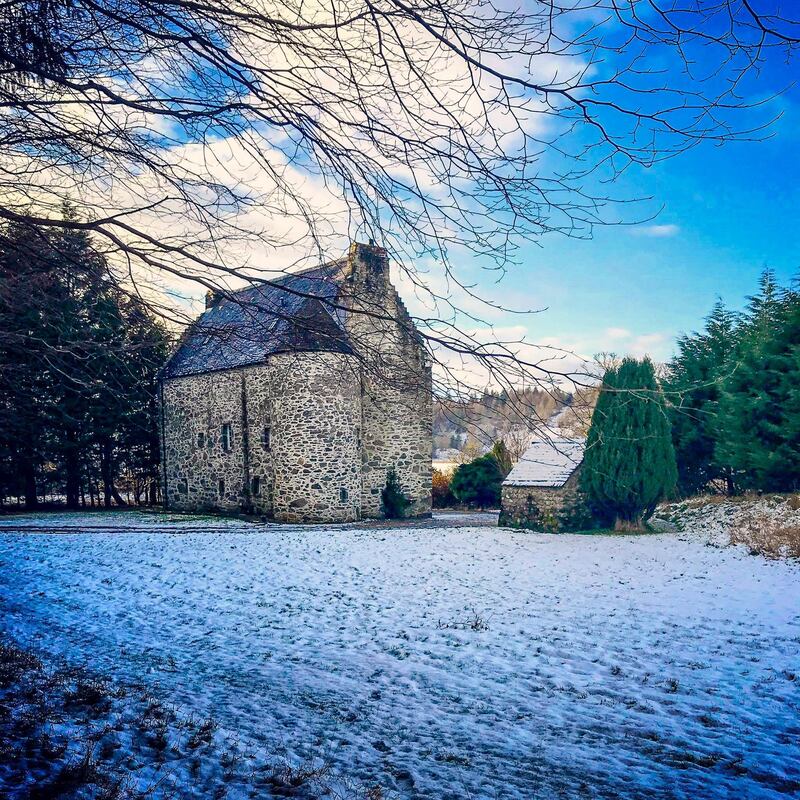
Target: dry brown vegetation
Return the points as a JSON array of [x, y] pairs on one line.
[[763, 535]]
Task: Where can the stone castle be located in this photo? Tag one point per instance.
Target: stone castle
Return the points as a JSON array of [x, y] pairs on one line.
[[294, 399]]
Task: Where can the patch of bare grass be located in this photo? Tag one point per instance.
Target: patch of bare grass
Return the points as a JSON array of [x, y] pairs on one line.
[[763, 535], [475, 622]]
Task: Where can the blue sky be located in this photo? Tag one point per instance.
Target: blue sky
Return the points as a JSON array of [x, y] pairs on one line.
[[723, 214], [728, 211]]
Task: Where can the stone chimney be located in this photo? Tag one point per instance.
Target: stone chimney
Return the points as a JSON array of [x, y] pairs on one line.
[[369, 264], [213, 297]]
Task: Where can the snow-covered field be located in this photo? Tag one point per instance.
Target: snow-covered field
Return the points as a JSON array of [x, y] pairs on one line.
[[439, 662]]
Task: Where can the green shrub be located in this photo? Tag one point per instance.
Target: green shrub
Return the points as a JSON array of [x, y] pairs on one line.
[[478, 483], [394, 502], [629, 464]]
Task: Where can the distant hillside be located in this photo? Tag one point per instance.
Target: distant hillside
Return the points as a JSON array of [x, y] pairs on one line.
[[472, 426]]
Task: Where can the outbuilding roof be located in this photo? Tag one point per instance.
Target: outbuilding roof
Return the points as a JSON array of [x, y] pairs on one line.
[[547, 463], [291, 314]]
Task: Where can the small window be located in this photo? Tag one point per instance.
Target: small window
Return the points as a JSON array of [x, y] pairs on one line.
[[343, 495], [358, 438], [255, 486], [201, 439], [227, 437], [266, 438], [221, 487]]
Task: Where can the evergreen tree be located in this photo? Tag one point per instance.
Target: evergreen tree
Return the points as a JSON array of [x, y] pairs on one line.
[[78, 364], [764, 308], [760, 405], [694, 387], [27, 298], [394, 500], [629, 464], [478, 482]]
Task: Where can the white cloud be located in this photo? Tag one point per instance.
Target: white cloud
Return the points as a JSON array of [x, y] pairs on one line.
[[656, 231], [648, 344], [617, 333]]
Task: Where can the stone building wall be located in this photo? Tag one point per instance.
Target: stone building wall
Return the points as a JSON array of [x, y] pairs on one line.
[[541, 508], [532, 507], [199, 473], [397, 433], [397, 402], [260, 414], [336, 423], [305, 469], [316, 413], [326, 453]]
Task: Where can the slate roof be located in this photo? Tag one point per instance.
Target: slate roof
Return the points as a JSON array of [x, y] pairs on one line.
[[247, 326], [547, 463]]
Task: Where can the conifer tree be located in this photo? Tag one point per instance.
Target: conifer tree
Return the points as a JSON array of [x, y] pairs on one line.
[[629, 464], [78, 364], [478, 482], [694, 386], [27, 334], [759, 431], [394, 501]]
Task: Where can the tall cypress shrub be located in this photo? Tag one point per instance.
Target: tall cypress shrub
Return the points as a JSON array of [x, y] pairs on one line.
[[629, 464]]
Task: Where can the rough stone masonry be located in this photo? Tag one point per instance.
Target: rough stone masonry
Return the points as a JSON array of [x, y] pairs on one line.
[[294, 399]]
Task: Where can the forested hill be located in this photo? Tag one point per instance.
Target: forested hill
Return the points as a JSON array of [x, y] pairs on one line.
[[480, 421]]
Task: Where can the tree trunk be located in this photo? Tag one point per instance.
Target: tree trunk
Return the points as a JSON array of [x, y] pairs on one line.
[[29, 474], [72, 469], [730, 488], [120, 500], [107, 473], [629, 525]]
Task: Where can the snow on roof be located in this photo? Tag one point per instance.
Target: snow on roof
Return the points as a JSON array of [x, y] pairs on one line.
[[547, 463]]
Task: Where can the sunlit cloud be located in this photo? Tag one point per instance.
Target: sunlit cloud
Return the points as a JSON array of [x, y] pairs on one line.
[[617, 333], [656, 231]]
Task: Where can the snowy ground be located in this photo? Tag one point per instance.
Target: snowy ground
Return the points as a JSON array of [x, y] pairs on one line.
[[439, 662]]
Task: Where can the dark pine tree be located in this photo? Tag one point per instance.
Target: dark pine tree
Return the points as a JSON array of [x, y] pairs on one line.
[[394, 500], [693, 388], [78, 366], [760, 404], [629, 464], [28, 297]]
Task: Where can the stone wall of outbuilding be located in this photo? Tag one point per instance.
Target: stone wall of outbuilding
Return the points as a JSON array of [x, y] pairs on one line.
[[542, 508]]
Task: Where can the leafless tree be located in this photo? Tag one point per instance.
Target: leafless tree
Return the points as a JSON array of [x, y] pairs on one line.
[[210, 144]]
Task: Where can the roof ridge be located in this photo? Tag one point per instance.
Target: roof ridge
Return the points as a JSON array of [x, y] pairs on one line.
[[285, 276]]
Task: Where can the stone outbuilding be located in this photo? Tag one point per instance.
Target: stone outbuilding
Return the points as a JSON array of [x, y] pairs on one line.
[[541, 491], [293, 399]]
